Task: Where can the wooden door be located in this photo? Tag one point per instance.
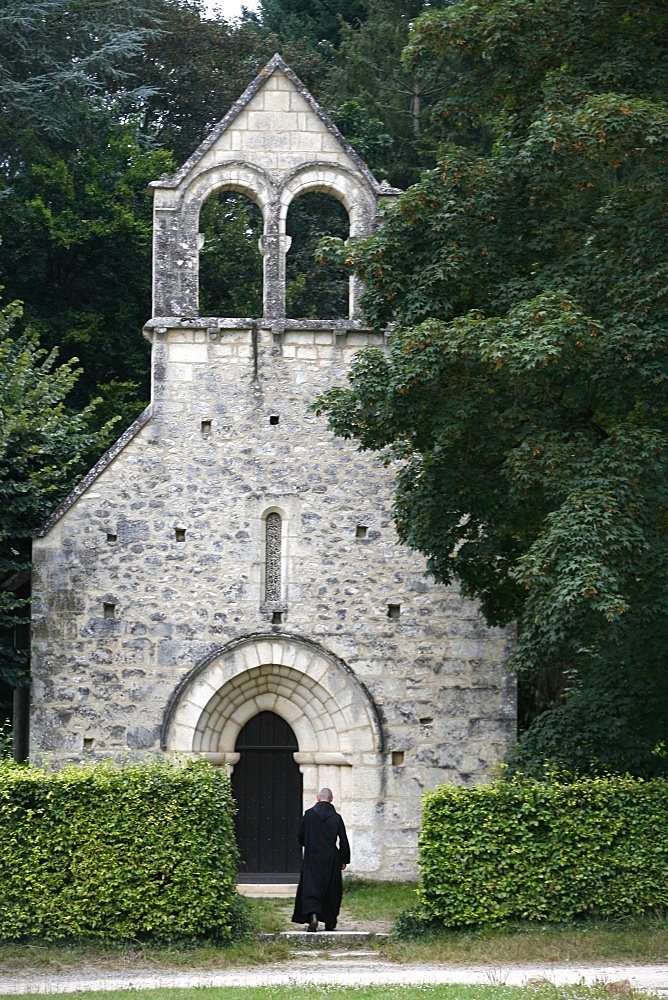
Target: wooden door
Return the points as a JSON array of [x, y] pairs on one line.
[[267, 785]]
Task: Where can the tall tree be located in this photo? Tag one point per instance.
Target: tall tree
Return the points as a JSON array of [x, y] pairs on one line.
[[382, 106], [74, 217], [56, 53], [76, 228], [319, 22], [44, 447], [524, 390]]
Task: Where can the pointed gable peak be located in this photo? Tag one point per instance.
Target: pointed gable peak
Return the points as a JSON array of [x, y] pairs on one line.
[[277, 104]]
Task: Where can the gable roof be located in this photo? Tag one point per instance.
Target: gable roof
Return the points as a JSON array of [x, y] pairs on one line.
[[275, 64]]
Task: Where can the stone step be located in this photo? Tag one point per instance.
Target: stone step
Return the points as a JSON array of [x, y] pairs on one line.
[[267, 890], [325, 939]]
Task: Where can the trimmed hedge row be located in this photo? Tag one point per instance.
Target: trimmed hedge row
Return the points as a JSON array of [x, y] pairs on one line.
[[544, 851], [101, 851]]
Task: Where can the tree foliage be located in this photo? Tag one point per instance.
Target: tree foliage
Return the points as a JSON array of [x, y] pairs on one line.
[[381, 105], [524, 390], [55, 54], [44, 447], [319, 22]]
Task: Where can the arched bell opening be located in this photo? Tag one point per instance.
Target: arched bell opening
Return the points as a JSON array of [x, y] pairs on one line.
[[267, 785], [315, 289], [230, 262]]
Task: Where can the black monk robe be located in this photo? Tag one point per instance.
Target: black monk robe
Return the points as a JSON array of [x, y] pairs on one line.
[[320, 888]]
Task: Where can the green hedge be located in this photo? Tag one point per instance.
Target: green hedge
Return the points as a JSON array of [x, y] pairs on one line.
[[544, 851], [114, 852]]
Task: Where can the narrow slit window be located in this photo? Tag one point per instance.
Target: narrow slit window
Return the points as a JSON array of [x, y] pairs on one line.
[[108, 610], [273, 419], [180, 534], [272, 579], [112, 537], [88, 742], [206, 428], [393, 610], [361, 531], [397, 758], [277, 618]]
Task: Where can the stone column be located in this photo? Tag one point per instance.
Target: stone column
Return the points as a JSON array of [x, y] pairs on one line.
[[274, 249]]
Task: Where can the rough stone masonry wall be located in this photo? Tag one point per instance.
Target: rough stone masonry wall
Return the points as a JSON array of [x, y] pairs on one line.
[[160, 561]]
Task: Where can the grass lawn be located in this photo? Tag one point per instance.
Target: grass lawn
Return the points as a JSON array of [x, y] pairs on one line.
[[440, 992]]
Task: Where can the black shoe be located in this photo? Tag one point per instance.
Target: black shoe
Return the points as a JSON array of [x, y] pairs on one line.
[[313, 922]]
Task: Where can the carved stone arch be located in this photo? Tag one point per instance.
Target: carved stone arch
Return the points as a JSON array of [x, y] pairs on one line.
[[343, 184], [241, 176], [331, 713], [287, 667], [311, 711]]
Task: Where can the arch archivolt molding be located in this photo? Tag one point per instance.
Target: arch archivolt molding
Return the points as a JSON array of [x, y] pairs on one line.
[[177, 241], [336, 181], [274, 196], [331, 713], [241, 176]]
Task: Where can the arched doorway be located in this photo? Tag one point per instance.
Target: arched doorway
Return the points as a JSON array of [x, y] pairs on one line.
[[267, 785]]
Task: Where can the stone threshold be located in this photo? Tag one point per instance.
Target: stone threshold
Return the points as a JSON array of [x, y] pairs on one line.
[[267, 890], [325, 939]]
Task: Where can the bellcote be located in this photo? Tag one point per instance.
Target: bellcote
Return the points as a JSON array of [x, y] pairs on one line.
[[274, 144]]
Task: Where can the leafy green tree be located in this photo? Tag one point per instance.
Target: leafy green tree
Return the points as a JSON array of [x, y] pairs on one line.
[[55, 54], [76, 228], [44, 448], [74, 216], [381, 105], [317, 21], [524, 390]]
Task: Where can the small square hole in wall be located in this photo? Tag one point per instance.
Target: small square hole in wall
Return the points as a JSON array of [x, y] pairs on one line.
[[393, 610], [111, 537], [361, 531], [206, 428], [88, 742], [397, 758], [273, 419], [109, 610], [277, 618], [180, 534]]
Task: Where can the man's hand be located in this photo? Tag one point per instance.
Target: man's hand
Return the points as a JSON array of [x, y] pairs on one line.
[[342, 867]]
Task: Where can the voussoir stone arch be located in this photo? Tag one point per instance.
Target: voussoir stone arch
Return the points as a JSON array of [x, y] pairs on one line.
[[246, 178], [344, 185], [329, 710]]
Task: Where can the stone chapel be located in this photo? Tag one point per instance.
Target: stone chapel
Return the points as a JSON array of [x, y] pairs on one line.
[[227, 582]]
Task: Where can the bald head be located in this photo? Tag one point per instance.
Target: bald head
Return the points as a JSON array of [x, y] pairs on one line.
[[325, 795]]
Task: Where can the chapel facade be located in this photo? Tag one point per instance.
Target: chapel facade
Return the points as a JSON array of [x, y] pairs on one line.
[[227, 581]]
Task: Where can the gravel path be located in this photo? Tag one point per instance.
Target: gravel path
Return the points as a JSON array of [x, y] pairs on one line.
[[344, 969]]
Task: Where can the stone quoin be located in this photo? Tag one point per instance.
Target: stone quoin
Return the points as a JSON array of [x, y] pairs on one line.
[[227, 580]]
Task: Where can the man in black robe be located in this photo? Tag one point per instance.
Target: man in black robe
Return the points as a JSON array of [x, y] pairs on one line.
[[320, 887]]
